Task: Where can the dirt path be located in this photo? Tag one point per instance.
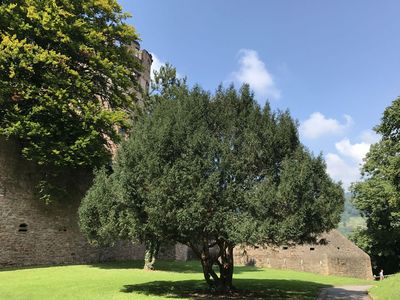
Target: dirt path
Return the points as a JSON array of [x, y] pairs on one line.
[[348, 292]]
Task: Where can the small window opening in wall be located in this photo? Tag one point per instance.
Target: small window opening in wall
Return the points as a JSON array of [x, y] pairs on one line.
[[284, 247], [2, 191], [312, 249], [62, 229], [122, 131], [23, 227], [338, 248]]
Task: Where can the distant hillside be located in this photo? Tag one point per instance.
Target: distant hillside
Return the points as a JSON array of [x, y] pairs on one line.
[[351, 218]]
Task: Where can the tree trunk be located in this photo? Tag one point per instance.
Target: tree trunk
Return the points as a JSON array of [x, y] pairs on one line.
[[221, 284], [150, 255], [226, 269]]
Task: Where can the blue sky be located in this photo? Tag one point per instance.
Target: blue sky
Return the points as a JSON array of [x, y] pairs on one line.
[[334, 64]]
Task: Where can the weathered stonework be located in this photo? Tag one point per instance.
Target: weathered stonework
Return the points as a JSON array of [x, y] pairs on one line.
[[146, 61], [333, 255], [33, 233]]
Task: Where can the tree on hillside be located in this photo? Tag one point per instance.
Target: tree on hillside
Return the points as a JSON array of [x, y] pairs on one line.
[[212, 172], [350, 219], [377, 196], [67, 79]]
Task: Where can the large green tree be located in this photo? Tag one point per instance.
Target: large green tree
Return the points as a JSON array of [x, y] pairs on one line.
[[67, 78], [212, 172], [377, 196]]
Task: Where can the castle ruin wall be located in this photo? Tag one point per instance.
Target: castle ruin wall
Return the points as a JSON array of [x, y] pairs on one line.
[[334, 254], [35, 233]]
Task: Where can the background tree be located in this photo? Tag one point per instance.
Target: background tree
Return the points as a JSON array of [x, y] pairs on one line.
[[212, 172], [67, 79], [377, 196]]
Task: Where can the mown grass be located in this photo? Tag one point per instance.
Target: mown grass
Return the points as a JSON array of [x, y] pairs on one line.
[[388, 289], [179, 280]]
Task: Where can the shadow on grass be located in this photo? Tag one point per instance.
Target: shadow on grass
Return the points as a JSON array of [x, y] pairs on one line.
[[34, 267], [247, 289], [191, 266]]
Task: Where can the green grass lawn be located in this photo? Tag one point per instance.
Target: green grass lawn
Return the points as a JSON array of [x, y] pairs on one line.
[[388, 289], [179, 280]]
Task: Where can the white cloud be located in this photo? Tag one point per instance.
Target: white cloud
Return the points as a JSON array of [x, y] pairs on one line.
[[156, 65], [339, 169], [355, 151], [346, 163], [252, 70], [318, 125], [370, 136]]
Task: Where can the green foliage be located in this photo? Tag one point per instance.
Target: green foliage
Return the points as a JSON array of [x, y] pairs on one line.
[[99, 210], [214, 171], [67, 78], [165, 84], [377, 196]]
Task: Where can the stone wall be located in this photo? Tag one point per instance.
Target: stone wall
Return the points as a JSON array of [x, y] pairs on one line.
[[333, 255], [33, 233]]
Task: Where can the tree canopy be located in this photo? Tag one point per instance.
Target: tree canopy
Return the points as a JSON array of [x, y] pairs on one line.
[[213, 171], [377, 196], [67, 78]]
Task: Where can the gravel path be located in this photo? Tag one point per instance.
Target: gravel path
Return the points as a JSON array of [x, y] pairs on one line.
[[348, 292]]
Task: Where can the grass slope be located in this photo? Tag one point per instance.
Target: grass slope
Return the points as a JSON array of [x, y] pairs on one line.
[[179, 280], [388, 289]]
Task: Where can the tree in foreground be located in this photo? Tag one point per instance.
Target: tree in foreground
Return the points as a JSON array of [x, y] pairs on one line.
[[67, 79], [377, 196], [213, 172]]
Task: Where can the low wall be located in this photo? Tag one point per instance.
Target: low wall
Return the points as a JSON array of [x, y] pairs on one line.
[[334, 255], [275, 259]]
